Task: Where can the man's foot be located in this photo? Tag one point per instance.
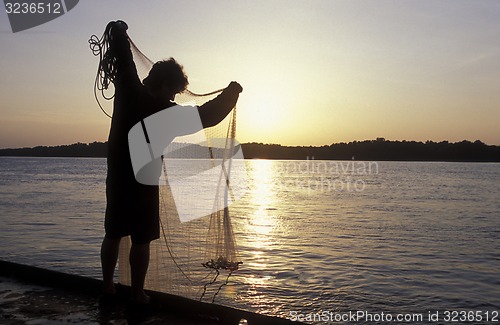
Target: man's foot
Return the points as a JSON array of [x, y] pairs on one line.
[[108, 298], [109, 289], [140, 298]]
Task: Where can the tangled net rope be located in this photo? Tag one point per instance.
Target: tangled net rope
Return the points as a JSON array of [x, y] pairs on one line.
[[106, 70]]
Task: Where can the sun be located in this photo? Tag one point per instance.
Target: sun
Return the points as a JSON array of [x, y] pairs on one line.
[[261, 117]]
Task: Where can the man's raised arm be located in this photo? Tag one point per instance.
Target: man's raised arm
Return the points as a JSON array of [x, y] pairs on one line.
[[214, 111]]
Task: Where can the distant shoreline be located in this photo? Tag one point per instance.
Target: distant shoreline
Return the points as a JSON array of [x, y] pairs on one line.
[[368, 150]]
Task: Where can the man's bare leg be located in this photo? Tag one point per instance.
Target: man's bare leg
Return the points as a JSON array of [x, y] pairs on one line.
[[109, 257], [139, 262]]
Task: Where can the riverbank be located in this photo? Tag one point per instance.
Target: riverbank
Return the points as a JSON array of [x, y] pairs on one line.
[[31, 295]]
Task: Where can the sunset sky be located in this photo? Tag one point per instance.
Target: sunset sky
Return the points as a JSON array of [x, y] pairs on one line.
[[313, 72]]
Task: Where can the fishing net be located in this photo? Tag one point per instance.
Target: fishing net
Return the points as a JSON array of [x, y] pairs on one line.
[[196, 253]]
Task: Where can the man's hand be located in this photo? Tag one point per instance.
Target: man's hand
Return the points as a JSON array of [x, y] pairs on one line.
[[121, 25], [118, 27], [234, 86]]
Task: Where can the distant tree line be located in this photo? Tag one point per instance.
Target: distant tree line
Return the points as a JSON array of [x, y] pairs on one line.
[[379, 149], [95, 149]]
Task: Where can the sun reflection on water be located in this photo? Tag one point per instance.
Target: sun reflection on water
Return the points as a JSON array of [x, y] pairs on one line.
[[261, 232], [262, 198], [258, 239]]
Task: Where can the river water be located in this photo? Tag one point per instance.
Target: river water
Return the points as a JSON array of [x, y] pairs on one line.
[[316, 237]]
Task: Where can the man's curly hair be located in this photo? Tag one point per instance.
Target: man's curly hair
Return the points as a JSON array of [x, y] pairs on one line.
[[169, 72]]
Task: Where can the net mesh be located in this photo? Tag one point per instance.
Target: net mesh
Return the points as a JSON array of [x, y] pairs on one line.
[[189, 257]]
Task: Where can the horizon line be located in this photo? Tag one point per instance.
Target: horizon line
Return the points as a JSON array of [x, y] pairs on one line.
[[378, 139]]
